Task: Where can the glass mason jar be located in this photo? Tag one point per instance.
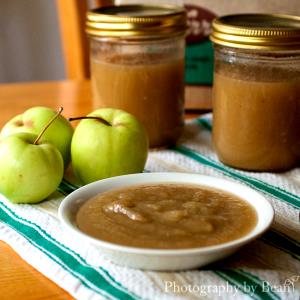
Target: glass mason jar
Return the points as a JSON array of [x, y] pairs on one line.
[[137, 64], [256, 91]]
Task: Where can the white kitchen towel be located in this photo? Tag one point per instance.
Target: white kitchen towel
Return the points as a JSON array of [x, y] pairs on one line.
[[268, 268]]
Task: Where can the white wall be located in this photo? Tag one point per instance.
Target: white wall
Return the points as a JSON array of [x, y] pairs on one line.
[[30, 48]]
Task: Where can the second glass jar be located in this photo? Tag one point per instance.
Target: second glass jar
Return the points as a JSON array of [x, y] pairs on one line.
[[256, 92]]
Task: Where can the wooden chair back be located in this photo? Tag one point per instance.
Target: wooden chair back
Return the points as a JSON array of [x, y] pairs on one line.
[[72, 15]]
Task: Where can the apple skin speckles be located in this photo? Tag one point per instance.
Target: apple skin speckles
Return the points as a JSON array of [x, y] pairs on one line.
[[29, 123], [18, 123]]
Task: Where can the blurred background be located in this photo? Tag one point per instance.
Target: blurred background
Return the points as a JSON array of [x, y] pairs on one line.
[[31, 47]]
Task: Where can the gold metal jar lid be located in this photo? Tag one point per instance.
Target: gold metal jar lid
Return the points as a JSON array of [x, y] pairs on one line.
[[136, 21], [257, 31]]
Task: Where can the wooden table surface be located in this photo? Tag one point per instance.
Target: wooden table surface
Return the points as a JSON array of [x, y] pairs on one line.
[[18, 280]]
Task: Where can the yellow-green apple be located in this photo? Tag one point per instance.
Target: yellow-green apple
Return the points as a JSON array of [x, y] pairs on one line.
[[108, 142], [34, 119], [29, 172]]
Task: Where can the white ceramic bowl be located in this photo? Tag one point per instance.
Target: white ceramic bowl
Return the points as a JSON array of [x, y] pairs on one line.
[[161, 259]]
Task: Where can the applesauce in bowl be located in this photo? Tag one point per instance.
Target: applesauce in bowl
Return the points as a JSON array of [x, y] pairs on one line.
[[159, 250], [166, 216]]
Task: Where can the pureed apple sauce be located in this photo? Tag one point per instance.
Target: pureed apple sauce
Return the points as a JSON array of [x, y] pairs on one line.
[[137, 64], [261, 132], [151, 88], [256, 93], [166, 216]]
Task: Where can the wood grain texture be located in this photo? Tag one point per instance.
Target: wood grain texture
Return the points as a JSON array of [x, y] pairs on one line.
[[198, 97], [74, 96], [18, 280]]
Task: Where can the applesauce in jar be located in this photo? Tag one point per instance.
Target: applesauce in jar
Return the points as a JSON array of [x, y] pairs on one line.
[[137, 65], [256, 92], [151, 88]]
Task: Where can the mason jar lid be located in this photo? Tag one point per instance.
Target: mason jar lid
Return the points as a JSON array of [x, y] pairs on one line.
[[136, 21], [257, 31]]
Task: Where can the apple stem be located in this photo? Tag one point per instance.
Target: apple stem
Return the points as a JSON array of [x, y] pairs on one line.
[[47, 125], [90, 117]]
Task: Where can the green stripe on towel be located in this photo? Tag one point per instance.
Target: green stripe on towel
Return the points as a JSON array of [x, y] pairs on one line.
[[282, 242], [97, 280], [264, 187], [248, 284], [71, 185], [205, 123], [66, 187]]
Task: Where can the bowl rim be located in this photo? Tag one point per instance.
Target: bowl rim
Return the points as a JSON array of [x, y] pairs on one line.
[[253, 234]]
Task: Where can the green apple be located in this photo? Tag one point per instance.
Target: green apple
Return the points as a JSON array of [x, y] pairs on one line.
[[29, 172], [34, 119], [108, 142]]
